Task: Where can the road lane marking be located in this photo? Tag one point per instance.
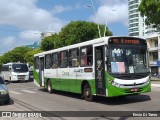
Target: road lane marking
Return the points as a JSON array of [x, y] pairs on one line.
[[15, 92], [155, 85], [28, 91]]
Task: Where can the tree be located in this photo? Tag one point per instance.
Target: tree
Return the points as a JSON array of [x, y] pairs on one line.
[[15, 55], [49, 42], [150, 9], [29, 56], [74, 32], [18, 53], [5, 58], [80, 31]]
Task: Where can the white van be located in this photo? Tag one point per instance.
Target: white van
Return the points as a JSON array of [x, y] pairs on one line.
[[15, 72]]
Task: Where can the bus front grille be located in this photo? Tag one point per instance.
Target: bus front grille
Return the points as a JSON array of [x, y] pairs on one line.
[[133, 85]]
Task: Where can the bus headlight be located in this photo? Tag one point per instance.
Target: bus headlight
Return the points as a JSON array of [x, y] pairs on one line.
[[115, 84], [147, 82], [14, 76], [118, 85]]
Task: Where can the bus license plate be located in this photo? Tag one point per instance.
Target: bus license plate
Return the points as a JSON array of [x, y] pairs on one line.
[[134, 89], [20, 78]]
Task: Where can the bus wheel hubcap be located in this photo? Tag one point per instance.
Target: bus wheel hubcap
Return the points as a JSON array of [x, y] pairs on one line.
[[87, 92], [49, 88]]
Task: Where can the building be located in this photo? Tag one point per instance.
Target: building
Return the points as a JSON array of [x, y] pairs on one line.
[[33, 46], [137, 25], [45, 34], [136, 22], [153, 42]]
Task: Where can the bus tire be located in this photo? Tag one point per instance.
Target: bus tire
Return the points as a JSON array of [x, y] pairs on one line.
[[49, 86], [87, 92]]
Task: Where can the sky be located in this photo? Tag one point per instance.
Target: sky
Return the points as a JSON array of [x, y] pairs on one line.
[[23, 21]]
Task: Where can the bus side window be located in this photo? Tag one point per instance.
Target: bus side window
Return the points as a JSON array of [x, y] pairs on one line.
[[83, 57], [5, 68], [9, 69], [64, 59], [36, 62], [89, 56], [55, 60], [48, 61], [74, 57], [86, 56]]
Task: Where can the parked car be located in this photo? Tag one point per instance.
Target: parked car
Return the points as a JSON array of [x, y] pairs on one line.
[[4, 93]]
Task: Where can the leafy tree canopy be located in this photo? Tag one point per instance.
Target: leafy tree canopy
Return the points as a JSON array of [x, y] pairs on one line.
[[49, 42], [29, 56], [150, 9], [74, 32], [80, 31], [15, 55]]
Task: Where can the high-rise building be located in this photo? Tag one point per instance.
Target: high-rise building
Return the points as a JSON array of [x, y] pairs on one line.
[[136, 22], [137, 25]]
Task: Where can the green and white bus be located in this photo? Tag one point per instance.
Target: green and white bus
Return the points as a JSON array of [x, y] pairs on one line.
[[107, 66]]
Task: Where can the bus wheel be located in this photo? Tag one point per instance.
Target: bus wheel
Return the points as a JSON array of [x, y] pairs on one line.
[[49, 86], [87, 92]]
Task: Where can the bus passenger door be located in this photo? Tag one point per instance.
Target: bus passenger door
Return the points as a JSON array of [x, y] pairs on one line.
[[41, 71], [100, 70]]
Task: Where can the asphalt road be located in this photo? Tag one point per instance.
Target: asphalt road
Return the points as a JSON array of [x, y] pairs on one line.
[[28, 97]]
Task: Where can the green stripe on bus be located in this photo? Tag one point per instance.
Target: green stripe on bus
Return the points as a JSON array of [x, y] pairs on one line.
[[36, 76]]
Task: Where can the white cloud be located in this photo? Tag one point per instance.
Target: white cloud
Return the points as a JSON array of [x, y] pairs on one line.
[[112, 11], [30, 36], [8, 43], [8, 40], [59, 9], [26, 15], [24, 38]]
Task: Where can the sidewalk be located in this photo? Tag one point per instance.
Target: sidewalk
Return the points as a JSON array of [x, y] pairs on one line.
[[155, 85], [155, 82], [155, 79]]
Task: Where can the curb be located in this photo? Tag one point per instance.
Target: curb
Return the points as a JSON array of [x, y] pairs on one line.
[[155, 80]]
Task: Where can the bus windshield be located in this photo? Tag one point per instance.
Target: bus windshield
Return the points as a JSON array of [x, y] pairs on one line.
[[20, 68], [128, 59]]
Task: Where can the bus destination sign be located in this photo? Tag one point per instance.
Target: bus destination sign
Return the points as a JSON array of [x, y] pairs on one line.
[[127, 41]]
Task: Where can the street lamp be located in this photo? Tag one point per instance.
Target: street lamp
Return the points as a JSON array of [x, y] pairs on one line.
[[106, 21], [96, 17]]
